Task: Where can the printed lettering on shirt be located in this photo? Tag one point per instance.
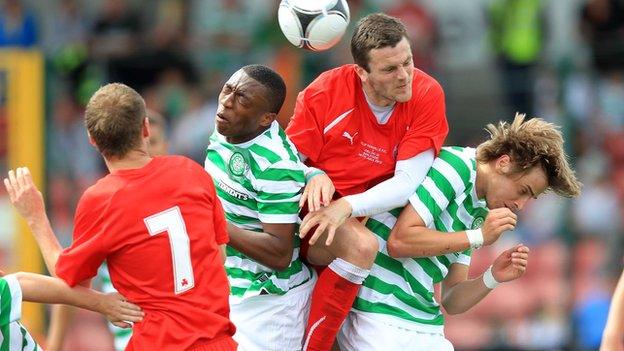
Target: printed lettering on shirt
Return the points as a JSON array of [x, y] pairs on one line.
[[371, 152], [228, 189]]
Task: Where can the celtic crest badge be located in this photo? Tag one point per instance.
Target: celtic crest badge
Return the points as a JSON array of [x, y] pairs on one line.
[[237, 164], [477, 223]]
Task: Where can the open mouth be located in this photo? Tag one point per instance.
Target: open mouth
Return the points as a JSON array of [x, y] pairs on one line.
[[220, 117]]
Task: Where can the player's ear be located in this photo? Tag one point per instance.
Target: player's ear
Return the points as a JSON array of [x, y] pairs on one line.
[[91, 141], [146, 131], [361, 72], [503, 164], [267, 119]]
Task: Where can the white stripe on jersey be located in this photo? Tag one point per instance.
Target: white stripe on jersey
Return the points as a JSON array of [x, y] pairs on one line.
[[336, 121]]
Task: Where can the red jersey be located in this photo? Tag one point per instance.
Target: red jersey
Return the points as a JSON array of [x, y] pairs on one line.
[[334, 127], [159, 229]]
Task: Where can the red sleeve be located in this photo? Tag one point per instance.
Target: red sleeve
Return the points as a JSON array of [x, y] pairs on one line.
[[304, 129], [429, 126], [82, 259]]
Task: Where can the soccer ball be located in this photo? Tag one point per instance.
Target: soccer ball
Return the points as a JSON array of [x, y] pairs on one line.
[[313, 24]]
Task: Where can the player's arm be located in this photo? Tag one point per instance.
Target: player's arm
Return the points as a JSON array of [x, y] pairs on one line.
[[411, 237], [60, 318], [459, 294], [387, 195], [222, 251], [43, 289], [613, 334], [319, 189], [28, 202], [273, 247]]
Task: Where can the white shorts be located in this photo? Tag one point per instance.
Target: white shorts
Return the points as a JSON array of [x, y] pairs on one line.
[[273, 322], [362, 332]]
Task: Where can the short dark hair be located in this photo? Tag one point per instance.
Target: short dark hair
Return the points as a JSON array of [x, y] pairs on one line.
[[114, 119], [272, 81], [375, 31]]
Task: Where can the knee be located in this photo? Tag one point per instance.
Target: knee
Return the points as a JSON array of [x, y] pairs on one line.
[[366, 246]]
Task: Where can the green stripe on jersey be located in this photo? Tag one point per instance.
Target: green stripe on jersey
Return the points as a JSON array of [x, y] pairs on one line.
[[14, 336], [403, 288], [258, 182], [121, 336]]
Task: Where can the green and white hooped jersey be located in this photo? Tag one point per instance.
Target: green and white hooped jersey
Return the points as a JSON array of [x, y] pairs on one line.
[[259, 181], [400, 290], [14, 336], [121, 336]]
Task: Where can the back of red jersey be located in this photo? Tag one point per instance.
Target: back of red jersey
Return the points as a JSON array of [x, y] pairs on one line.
[[159, 228], [334, 127]]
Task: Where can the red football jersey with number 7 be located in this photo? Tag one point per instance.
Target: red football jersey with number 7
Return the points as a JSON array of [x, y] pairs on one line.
[[334, 127], [159, 229]]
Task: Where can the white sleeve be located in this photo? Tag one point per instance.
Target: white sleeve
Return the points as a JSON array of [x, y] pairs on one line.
[[393, 192]]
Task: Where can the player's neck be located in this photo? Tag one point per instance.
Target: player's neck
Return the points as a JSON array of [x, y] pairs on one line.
[[239, 139], [373, 97], [132, 160]]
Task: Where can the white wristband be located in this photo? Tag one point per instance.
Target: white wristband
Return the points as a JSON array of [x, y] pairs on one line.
[[489, 280], [475, 238]]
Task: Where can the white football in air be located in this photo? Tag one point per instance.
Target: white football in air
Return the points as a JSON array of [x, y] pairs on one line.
[[315, 25]]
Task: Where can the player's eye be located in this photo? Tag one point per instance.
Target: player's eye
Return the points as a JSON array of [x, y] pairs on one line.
[[243, 99]]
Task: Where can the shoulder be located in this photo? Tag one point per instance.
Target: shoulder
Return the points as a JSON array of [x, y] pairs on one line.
[[456, 164], [176, 162], [274, 150], [335, 81], [425, 85]]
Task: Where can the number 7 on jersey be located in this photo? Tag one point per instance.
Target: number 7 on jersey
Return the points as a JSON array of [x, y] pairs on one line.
[[171, 221]]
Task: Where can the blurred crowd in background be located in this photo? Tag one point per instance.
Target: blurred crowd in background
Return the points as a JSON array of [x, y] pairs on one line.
[[559, 60]]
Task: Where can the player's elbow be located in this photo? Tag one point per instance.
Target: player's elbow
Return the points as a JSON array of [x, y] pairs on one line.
[[395, 245], [280, 265], [281, 261], [452, 308]]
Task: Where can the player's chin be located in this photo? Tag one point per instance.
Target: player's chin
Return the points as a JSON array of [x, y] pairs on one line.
[[221, 127], [403, 96]]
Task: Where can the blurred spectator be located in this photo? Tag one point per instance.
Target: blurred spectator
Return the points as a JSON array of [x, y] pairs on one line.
[[178, 53], [517, 33], [421, 29], [116, 30], [18, 26], [65, 43], [73, 164], [603, 25], [192, 130], [221, 32]]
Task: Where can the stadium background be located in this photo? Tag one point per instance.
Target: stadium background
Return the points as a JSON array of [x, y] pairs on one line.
[[561, 60]]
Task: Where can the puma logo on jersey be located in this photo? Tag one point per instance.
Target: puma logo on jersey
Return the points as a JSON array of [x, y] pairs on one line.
[[349, 136]]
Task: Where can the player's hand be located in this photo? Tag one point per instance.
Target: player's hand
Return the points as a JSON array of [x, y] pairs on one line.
[[511, 264], [24, 195], [119, 311], [498, 221], [318, 192], [328, 219]]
